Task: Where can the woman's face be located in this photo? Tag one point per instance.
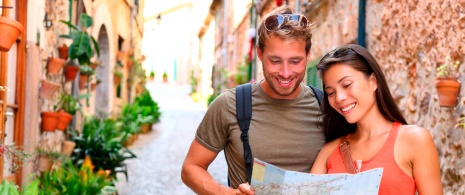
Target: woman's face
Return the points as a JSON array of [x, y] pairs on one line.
[[350, 92]]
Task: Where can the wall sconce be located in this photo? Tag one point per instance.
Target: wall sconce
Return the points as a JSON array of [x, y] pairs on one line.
[[158, 19], [47, 22]]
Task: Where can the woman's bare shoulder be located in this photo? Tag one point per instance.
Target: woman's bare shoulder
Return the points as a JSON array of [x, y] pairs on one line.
[[414, 134]]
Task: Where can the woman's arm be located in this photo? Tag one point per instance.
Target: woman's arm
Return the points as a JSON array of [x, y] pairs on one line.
[[320, 164], [425, 161]]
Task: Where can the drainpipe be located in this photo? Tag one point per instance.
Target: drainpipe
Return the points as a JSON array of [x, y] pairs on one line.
[[225, 34], [297, 2], [361, 23]]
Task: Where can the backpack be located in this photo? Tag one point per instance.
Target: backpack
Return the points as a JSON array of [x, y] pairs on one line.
[[244, 116]]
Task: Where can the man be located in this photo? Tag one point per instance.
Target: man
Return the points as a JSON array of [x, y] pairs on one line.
[[285, 129]]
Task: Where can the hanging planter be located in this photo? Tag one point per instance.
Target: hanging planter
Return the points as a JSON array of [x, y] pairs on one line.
[[49, 121], [145, 128], [67, 147], [48, 88], [45, 163], [54, 65], [448, 91], [70, 72], [447, 83], [10, 30], [64, 119], [83, 78], [63, 52]]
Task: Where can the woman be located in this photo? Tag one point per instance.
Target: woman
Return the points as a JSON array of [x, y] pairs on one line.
[[358, 108]]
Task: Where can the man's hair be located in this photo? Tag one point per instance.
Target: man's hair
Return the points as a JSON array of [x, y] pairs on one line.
[[287, 31], [356, 56]]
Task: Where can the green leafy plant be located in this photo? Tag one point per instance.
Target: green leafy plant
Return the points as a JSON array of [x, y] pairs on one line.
[[152, 74], [69, 179], [165, 76], [118, 73], [68, 103], [448, 69], [101, 140], [86, 70], [9, 188], [84, 46], [14, 156]]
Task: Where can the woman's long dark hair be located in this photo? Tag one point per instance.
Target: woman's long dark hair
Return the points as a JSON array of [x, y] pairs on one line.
[[356, 56]]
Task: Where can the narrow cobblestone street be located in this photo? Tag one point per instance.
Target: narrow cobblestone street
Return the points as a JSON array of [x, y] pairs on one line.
[[161, 152]]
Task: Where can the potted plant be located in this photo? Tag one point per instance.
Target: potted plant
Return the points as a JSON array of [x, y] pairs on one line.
[[84, 45], [71, 71], [67, 106], [14, 156], [54, 65], [10, 31], [63, 51], [447, 83], [152, 75], [48, 88], [84, 72], [117, 76], [49, 121], [165, 77]]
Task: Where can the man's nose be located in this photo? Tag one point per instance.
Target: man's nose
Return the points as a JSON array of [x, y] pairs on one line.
[[286, 70]]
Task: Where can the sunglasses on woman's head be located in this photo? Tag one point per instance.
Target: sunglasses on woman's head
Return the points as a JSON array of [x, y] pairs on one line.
[[274, 22], [342, 51]]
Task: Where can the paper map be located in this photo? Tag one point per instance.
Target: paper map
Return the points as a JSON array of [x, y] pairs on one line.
[[269, 179]]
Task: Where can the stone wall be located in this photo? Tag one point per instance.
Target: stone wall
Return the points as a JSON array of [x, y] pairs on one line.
[[414, 38]]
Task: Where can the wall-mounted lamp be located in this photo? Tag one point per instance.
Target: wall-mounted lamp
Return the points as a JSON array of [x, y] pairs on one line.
[[47, 22], [158, 18]]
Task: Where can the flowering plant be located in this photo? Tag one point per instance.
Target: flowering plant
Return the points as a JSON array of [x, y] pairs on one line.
[[13, 156], [448, 70]]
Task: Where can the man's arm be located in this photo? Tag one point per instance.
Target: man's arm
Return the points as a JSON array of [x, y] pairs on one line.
[[194, 171]]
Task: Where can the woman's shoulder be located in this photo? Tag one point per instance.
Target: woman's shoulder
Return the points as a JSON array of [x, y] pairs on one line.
[[332, 145], [414, 134]]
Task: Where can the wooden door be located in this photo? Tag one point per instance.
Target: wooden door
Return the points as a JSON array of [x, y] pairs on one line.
[[12, 64]]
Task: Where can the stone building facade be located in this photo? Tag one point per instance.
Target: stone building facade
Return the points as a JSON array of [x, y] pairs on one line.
[[117, 27]]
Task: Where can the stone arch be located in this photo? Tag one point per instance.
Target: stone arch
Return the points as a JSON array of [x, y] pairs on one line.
[[104, 95]]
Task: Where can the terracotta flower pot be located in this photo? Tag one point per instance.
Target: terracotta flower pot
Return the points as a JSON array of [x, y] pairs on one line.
[[48, 88], [83, 81], [49, 121], [448, 90], [145, 128], [64, 119], [93, 86], [130, 64], [120, 56], [94, 65], [63, 52], [54, 65], [116, 80], [10, 31], [70, 72], [68, 147], [45, 163]]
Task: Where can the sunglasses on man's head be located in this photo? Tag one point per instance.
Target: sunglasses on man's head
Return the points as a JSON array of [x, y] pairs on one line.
[[274, 22]]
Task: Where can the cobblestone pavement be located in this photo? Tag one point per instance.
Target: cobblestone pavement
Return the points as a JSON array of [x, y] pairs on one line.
[[157, 170]]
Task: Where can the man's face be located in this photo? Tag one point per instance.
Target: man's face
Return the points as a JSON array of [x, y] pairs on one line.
[[284, 65]]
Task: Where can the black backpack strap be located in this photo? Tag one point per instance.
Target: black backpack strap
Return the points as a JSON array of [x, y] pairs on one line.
[[244, 115], [318, 93]]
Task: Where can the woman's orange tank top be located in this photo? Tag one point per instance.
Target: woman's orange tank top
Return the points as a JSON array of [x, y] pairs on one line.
[[394, 179]]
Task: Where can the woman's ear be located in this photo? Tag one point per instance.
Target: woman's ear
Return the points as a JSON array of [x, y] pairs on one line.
[[373, 81]]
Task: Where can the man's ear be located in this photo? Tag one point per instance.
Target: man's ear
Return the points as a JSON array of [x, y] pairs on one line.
[[259, 53], [308, 54]]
